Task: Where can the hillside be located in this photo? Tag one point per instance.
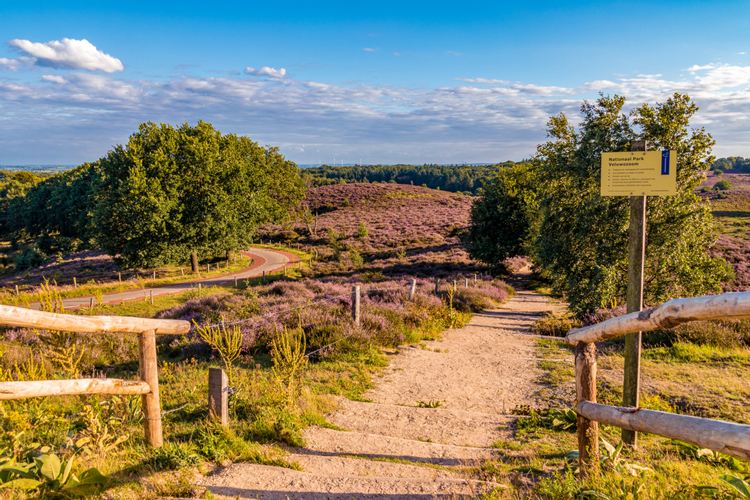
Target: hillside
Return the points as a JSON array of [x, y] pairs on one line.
[[410, 230]]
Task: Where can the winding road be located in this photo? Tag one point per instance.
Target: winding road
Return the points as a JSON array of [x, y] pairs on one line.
[[263, 260]]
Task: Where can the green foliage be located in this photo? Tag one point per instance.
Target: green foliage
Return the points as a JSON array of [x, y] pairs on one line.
[[356, 257], [718, 173], [44, 471], [227, 341], [581, 240], [288, 360], [453, 178], [171, 191], [172, 456], [433, 403], [501, 219], [362, 231], [724, 185]]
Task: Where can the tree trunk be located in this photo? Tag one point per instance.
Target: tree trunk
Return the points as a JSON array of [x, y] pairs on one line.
[[194, 261]]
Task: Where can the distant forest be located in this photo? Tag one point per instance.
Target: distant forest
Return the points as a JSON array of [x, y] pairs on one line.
[[464, 179], [736, 163]]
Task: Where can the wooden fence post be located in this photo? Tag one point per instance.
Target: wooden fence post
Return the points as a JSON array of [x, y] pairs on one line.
[[154, 275], [412, 288], [588, 430], [218, 395], [636, 257], [264, 276], [91, 305], [119, 277], [355, 304], [17, 294], [475, 279], [285, 269], [235, 281], [300, 265], [75, 283], [151, 296], [437, 285], [208, 268], [182, 271], [150, 375], [466, 282]]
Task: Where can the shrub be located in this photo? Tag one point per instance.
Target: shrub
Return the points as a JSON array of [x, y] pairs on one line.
[[724, 185], [362, 231], [718, 172]]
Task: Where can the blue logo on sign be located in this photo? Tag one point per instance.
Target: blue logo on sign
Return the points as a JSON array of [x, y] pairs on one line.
[[665, 163]]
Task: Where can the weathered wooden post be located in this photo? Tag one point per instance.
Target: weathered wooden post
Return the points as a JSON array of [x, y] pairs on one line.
[[437, 285], [218, 395], [264, 276], [91, 305], [300, 265], [208, 268], [588, 430], [182, 271], [75, 283], [466, 284], [355, 305], [285, 269], [636, 256], [475, 279], [119, 277], [17, 294], [235, 281], [149, 374], [154, 275], [412, 288], [151, 296]]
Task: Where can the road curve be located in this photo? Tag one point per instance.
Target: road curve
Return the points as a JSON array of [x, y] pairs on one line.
[[263, 260]]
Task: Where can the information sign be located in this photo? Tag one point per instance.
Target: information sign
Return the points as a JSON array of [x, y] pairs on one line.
[[639, 173]]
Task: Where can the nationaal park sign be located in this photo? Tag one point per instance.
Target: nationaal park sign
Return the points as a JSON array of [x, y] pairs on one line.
[[639, 173]]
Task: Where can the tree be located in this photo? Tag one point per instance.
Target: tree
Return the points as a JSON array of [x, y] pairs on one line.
[[173, 193], [582, 237], [501, 218]]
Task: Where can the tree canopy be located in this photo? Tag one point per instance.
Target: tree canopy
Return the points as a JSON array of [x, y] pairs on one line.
[[169, 192], [578, 239]]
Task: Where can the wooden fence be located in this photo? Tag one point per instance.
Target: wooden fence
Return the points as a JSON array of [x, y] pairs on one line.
[[725, 437], [147, 385]]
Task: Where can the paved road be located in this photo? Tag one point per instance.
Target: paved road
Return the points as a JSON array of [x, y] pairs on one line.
[[263, 260]]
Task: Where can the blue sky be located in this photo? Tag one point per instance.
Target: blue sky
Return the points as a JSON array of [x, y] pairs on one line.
[[378, 82]]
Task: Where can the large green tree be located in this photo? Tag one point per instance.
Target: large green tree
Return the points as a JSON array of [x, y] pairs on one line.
[[501, 219], [581, 241], [176, 191]]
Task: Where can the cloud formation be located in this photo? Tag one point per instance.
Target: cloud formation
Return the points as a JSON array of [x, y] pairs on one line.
[[266, 71], [78, 116], [68, 53]]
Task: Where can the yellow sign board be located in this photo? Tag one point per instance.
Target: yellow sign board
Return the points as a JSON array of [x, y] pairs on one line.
[[639, 173]]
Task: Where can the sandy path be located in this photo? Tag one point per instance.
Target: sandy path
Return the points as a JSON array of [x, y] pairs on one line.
[[263, 261], [393, 449]]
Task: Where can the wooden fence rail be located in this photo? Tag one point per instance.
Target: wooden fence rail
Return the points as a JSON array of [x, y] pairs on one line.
[[147, 385], [717, 435]]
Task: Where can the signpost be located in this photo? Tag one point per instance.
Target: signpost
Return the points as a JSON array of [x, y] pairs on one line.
[[637, 174]]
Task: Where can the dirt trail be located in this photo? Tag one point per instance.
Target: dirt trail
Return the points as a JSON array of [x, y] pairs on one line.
[[394, 449]]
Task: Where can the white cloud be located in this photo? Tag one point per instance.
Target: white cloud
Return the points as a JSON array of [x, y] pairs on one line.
[[53, 78], [69, 53], [741, 53], [368, 49], [83, 115], [15, 64], [266, 71], [454, 53], [695, 67]]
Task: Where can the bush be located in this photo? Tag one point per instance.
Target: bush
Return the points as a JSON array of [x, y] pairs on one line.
[[32, 257], [724, 185], [718, 172], [362, 231]]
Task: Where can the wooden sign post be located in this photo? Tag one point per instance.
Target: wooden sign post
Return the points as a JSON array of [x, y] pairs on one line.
[[637, 174], [636, 257]]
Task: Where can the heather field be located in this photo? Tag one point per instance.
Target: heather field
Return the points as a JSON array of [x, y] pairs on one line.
[[396, 230]]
